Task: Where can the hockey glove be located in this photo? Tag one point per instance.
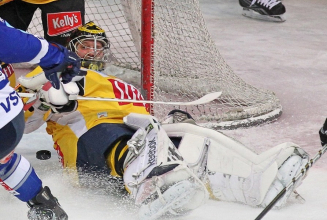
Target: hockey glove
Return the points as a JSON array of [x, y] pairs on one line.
[[67, 69], [59, 100], [323, 133]]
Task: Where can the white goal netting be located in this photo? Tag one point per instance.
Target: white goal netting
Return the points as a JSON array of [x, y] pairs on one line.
[[185, 62]]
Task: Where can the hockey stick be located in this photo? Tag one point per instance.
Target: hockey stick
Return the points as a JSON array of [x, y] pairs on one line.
[[294, 180], [203, 100]]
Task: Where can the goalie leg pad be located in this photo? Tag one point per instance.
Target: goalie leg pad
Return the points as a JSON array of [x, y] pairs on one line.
[[155, 173], [234, 172], [287, 171], [179, 195]]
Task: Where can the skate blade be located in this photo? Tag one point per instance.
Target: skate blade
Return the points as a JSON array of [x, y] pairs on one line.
[[298, 197], [255, 15], [173, 198]]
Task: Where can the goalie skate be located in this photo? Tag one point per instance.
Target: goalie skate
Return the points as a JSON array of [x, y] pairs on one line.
[[286, 172], [269, 10]]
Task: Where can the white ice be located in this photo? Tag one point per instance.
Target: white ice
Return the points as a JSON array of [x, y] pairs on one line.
[[288, 58]]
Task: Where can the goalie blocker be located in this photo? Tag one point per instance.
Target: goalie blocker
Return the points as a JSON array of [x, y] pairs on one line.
[[233, 172]]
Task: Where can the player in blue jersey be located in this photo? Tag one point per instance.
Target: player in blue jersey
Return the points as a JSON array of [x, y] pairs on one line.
[[16, 173]]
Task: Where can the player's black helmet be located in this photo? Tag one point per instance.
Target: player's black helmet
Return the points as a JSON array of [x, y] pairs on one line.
[[97, 56]]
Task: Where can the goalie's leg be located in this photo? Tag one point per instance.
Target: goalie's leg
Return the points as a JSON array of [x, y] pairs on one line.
[[155, 173], [233, 172], [290, 168]]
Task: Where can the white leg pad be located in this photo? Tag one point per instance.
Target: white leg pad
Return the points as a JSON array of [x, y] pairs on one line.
[[155, 173], [287, 171], [235, 173]]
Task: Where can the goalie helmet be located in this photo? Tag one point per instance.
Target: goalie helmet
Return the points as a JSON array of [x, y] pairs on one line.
[[91, 44]]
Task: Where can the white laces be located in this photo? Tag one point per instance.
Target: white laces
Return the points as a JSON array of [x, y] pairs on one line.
[[266, 3]]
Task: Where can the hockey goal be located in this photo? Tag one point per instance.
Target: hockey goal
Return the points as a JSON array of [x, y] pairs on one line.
[[178, 61]]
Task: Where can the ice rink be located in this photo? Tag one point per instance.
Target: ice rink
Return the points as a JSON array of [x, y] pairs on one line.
[[289, 58]]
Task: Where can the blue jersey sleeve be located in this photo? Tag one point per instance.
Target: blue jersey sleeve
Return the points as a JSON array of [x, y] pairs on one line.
[[18, 46]]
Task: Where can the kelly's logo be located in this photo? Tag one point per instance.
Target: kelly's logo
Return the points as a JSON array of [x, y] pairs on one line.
[[59, 23]]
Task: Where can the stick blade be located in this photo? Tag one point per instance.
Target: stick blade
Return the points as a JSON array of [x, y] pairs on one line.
[[206, 99]]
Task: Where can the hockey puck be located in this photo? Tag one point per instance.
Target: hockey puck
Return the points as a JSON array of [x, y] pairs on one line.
[[43, 154]]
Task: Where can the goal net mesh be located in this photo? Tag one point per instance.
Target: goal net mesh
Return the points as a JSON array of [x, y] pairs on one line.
[[186, 64]]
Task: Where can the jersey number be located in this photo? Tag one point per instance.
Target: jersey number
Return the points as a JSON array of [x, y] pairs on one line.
[[124, 90]]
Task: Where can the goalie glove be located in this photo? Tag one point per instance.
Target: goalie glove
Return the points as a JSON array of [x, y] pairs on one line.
[[323, 133], [47, 97], [58, 100]]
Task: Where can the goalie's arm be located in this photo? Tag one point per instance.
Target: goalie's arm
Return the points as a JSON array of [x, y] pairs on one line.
[[35, 116], [44, 99]]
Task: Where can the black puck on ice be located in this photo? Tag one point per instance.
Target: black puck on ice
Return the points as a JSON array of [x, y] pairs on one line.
[[43, 154]]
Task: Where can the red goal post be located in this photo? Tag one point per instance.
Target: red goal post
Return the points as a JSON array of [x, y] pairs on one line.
[[147, 46], [163, 47]]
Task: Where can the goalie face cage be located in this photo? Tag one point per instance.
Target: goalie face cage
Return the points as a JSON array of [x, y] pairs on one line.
[[180, 62]]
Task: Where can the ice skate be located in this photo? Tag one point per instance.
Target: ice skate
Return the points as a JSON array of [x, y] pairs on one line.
[[45, 207], [287, 171], [269, 10]]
